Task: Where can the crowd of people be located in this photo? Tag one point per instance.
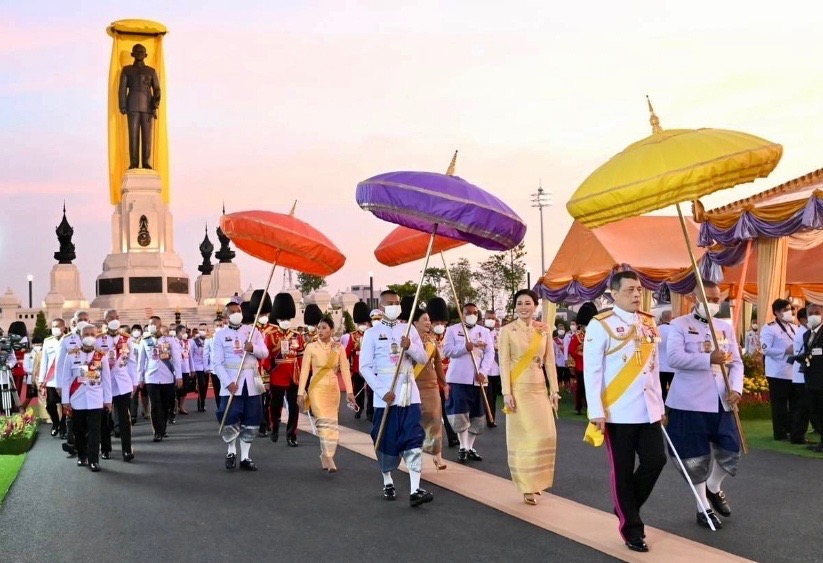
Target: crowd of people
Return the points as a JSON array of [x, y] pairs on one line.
[[424, 381]]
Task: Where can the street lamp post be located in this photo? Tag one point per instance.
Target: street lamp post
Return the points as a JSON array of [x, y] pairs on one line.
[[31, 287], [371, 290], [540, 199], [529, 278]]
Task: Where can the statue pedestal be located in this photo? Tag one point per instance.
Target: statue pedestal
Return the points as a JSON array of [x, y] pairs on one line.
[[202, 289], [225, 283], [65, 283], [143, 271]]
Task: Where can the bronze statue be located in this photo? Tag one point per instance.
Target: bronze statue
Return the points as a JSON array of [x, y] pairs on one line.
[[139, 100]]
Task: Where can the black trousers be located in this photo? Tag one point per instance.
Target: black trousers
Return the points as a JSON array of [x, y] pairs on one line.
[[121, 405], [580, 393], [814, 400], [202, 389], [276, 405], [494, 389], [799, 407], [87, 434], [265, 422], [162, 398], [632, 486], [215, 386], [106, 425], [52, 400], [450, 433], [780, 396], [135, 400], [666, 378]]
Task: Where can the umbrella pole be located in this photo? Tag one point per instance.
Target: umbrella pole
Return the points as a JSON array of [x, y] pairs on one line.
[[688, 479], [702, 296], [489, 411], [382, 429], [251, 334]]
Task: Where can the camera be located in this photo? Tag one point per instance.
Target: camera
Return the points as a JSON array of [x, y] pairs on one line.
[[8, 344]]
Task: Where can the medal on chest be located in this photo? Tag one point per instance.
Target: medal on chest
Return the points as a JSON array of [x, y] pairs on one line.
[[237, 347]]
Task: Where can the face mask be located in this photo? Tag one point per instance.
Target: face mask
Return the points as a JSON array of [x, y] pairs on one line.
[[490, 323], [114, 325], [236, 318], [814, 321], [573, 328], [285, 325], [146, 334], [438, 329], [56, 331], [754, 328], [88, 341], [471, 320], [264, 320], [391, 312], [184, 336], [561, 333], [311, 329], [38, 347], [136, 333], [152, 329], [714, 308], [362, 328], [787, 316]]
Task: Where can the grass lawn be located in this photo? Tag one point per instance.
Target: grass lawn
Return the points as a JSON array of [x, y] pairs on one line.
[[759, 434], [9, 468]]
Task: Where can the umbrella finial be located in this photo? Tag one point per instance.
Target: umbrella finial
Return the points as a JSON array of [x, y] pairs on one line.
[[293, 207], [653, 119], [452, 164]]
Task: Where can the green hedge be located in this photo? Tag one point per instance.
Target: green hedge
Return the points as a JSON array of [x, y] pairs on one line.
[[19, 444]]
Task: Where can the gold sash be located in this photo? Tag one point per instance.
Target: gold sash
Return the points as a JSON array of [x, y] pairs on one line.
[[331, 362], [622, 381], [525, 361], [431, 348]]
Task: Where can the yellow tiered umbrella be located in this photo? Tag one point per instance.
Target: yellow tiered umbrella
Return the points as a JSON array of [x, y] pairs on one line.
[[668, 168]]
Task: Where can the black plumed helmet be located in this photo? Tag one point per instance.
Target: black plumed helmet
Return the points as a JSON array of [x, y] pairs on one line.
[[254, 302], [312, 315], [248, 314], [360, 313], [406, 308], [437, 310], [283, 308], [587, 311], [18, 328]]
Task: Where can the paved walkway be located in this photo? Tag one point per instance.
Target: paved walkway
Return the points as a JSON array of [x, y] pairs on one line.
[[177, 498]]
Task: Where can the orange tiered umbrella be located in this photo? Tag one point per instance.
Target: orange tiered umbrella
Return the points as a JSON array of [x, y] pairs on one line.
[[404, 245]]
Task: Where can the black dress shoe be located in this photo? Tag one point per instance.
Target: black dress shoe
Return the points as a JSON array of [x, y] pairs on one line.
[[491, 425], [53, 432], [389, 493], [637, 545], [61, 435], [157, 438], [133, 420], [231, 461], [454, 443], [357, 416], [420, 497], [82, 463], [262, 433], [473, 455], [248, 465], [292, 442], [718, 502], [106, 455], [165, 434], [462, 456], [95, 467], [701, 519], [69, 450], [275, 436], [128, 456]]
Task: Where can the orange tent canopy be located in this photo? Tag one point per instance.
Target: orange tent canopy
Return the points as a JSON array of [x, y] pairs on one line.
[[652, 245], [404, 245], [284, 239]]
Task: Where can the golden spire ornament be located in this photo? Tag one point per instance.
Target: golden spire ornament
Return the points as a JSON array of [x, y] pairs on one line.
[[452, 165], [653, 119]]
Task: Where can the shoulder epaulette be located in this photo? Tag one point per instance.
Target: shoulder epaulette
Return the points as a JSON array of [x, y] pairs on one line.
[[639, 312], [604, 315], [771, 323]]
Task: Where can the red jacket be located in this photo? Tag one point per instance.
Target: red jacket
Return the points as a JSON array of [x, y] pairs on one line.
[[353, 350], [283, 368]]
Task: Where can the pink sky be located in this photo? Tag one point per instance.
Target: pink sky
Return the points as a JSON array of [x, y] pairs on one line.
[[268, 104]]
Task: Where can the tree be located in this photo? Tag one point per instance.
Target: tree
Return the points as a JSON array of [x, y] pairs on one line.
[[490, 280], [438, 278], [348, 322], [462, 277], [514, 271], [409, 288], [307, 283], [41, 327]]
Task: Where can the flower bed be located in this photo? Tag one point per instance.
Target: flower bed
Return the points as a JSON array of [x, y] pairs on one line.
[[17, 433], [755, 402]]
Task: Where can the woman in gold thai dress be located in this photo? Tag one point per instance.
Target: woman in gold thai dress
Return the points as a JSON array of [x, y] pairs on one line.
[[430, 380], [324, 357], [525, 349]]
